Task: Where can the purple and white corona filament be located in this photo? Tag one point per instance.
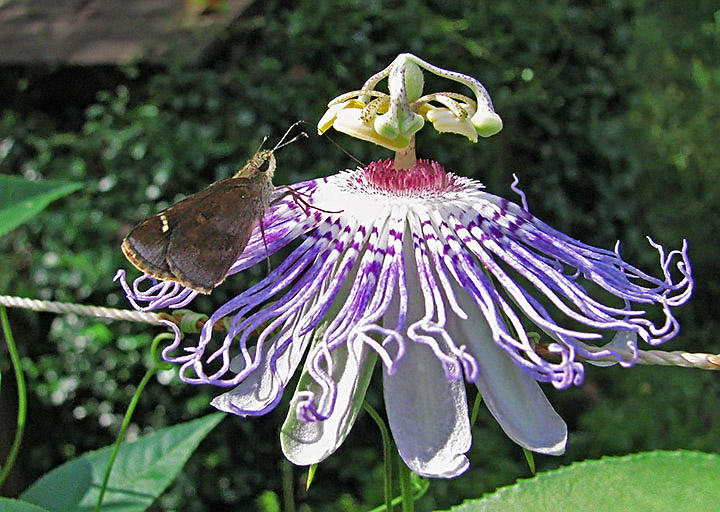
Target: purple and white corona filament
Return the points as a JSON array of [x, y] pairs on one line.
[[420, 268], [425, 271]]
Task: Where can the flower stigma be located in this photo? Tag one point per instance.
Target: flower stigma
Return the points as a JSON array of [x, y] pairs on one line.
[[392, 120]]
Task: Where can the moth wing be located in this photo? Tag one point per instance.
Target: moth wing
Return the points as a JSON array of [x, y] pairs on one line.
[[211, 235], [146, 245]]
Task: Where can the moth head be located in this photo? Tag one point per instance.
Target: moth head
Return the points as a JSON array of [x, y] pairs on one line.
[[264, 161]]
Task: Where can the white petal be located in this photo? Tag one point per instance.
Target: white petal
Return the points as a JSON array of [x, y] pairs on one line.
[[328, 117], [517, 403], [513, 397], [626, 341], [444, 120], [349, 121], [263, 388], [428, 415], [309, 443]]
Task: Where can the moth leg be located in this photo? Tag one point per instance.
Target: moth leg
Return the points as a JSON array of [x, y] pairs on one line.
[[304, 205], [267, 254]]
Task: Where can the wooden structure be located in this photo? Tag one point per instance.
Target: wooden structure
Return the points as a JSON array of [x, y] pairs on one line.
[[98, 32]]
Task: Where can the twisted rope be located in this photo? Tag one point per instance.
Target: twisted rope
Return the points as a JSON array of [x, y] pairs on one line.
[[680, 358], [675, 358], [188, 321], [648, 357], [79, 309]]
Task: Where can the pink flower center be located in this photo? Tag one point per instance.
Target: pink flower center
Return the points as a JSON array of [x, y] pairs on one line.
[[426, 179]]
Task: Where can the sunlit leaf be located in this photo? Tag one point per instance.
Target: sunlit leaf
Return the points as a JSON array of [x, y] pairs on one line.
[[657, 481], [10, 505], [142, 471], [20, 199]]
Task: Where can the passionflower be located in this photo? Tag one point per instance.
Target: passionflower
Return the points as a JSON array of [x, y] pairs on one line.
[[421, 268]]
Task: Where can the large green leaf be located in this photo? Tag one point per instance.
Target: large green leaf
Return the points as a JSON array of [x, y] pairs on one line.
[[10, 505], [654, 481], [21, 199], [142, 471]]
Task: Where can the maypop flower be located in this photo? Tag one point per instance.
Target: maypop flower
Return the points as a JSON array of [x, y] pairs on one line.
[[405, 262]]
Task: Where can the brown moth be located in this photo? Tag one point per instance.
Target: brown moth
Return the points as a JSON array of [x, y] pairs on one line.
[[195, 241]]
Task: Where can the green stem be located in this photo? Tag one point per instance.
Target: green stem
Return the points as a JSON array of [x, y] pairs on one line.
[[121, 434], [421, 486], [22, 396], [157, 365], [387, 448], [475, 409], [406, 487], [288, 487]]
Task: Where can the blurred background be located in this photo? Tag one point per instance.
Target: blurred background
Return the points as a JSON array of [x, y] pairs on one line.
[[611, 119]]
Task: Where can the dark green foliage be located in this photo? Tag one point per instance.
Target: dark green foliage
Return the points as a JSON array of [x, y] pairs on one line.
[[611, 113]]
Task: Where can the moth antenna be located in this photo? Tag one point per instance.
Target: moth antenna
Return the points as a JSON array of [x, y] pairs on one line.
[[284, 142], [362, 164], [300, 135], [262, 143]]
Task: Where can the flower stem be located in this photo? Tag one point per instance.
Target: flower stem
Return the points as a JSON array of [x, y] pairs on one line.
[[157, 365], [406, 488], [475, 409], [22, 396], [387, 448], [121, 434], [288, 487]]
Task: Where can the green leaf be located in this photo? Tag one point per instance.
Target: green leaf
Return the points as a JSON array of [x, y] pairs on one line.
[[142, 471], [20, 199], [657, 481], [10, 505]]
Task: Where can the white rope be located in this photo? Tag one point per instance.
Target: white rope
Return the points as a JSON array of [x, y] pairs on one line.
[[78, 309], [649, 357], [675, 358], [680, 358], [658, 357]]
